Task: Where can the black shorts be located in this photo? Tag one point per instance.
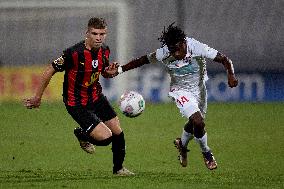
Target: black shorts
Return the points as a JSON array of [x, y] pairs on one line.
[[89, 116]]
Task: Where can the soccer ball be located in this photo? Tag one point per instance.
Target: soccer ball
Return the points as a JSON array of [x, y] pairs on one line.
[[131, 103]]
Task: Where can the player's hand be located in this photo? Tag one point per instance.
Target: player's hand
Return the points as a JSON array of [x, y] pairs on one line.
[[112, 69], [33, 102], [232, 80]]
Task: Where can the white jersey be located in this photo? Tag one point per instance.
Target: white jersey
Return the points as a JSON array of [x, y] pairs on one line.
[[190, 73]]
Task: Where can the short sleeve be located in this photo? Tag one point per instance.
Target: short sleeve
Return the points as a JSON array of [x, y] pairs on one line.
[[162, 53], [200, 49], [60, 63]]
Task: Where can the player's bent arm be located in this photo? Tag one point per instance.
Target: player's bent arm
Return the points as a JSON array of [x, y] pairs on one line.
[[228, 64], [44, 80], [35, 101]]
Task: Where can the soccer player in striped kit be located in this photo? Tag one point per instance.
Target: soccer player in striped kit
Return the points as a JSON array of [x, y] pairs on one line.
[[184, 59], [83, 63]]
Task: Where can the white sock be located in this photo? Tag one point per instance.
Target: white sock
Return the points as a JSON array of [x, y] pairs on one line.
[[186, 137], [203, 143]]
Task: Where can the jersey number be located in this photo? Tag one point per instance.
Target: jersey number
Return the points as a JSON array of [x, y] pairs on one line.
[[182, 100]]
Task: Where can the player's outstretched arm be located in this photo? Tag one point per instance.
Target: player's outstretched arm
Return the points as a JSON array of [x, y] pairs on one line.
[[34, 102], [135, 63], [228, 64], [115, 69]]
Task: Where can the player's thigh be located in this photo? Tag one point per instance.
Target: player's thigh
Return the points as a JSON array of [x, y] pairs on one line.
[[89, 122], [107, 114], [186, 102]]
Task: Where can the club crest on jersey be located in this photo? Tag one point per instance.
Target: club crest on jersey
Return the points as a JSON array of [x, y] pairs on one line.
[[95, 63]]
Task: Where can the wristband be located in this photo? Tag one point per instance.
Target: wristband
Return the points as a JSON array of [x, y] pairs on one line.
[[119, 70]]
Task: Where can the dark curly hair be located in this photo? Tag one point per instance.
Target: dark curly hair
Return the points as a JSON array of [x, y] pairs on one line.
[[171, 36]]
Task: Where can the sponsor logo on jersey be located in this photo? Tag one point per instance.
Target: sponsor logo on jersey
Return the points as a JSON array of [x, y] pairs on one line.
[[93, 79]]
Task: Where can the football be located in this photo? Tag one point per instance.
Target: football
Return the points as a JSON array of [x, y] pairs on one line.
[[131, 104]]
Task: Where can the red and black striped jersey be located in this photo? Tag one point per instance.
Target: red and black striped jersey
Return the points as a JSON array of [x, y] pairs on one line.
[[82, 70]]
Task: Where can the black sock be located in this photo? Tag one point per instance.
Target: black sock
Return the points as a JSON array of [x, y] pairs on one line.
[[80, 134], [118, 150]]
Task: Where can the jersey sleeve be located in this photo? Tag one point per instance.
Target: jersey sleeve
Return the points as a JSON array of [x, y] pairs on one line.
[[162, 53], [60, 63], [200, 49]]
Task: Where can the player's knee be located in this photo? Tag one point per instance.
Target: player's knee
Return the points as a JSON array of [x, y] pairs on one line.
[[104, 142], [197, 119], [198, 125]]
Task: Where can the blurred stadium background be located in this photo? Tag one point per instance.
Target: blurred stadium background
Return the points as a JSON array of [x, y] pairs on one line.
[[250, 32], [38, 149]]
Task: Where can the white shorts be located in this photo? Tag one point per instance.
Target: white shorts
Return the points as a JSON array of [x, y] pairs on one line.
[[188, 103]]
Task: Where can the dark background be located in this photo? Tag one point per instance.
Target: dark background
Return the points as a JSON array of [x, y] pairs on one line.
[[250, 32]]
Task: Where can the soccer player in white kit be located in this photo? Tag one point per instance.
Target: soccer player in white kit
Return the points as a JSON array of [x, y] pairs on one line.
[[184, 59]]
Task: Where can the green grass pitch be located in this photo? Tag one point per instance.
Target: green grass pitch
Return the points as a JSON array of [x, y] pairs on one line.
[[38, 149]]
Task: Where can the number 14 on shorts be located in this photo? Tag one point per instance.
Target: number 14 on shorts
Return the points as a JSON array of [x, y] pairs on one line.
[[182, 100]]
